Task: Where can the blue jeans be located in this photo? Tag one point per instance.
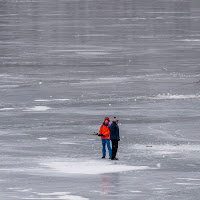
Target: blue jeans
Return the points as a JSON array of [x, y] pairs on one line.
[[104, 142]]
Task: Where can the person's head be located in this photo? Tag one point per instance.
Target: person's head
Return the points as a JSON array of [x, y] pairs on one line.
[[115, 120], [106, 120]]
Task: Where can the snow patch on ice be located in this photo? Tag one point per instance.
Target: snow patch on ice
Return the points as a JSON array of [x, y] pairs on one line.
[[161, 188], [158, 165], [13, 170], [56, 195], [68, 143], [186, 184], [136, 191], [53, 193], [43, 138], [171, 96], [92, 53], [62, 99], [4, 75], [24, 190], [38, 108], [9, 86], [158, 12], [90, 167], [112, 79], [42, 100], [6, 109], [103, 80], [189, 179], [49, 100], [189, 40], [96, 35], [14, 188], [165, 152]]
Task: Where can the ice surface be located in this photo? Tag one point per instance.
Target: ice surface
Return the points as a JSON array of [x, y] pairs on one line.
[[65, 65]]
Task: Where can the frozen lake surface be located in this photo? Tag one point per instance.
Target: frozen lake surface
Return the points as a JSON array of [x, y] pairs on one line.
[[65, 65]]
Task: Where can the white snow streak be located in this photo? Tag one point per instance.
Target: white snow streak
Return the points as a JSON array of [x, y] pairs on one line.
[[43, 138], [6, 109], [72, 143], [171, 96], [136, 191], [38, 108], [49, 100], [56, 195], [189, 179]]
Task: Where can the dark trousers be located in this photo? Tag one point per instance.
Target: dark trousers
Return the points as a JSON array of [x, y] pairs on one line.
[[114, 148]]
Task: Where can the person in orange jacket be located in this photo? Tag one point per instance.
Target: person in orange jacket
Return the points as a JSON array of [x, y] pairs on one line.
[[105, 137]]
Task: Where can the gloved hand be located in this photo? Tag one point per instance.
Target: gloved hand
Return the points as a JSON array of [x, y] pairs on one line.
[[100, 135], [119, 139]]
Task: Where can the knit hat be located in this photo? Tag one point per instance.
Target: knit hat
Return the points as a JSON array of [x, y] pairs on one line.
[[115, 119], [107, 118]]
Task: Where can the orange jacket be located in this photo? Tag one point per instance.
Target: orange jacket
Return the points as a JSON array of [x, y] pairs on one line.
[[105, 131]]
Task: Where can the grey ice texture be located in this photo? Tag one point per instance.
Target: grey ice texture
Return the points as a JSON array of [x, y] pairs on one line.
[[67, 64]]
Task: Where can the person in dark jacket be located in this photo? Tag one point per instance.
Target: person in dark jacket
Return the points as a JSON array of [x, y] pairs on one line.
[[114, 137]]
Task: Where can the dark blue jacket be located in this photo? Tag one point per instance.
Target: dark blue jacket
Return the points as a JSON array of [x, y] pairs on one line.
[[114, 131]]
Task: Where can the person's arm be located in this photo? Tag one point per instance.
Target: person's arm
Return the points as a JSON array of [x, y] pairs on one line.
[[118, 133], [100, 131]]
